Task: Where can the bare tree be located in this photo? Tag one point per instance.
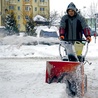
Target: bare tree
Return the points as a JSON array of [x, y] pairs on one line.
[[54, 18], [92, 10], [91, 13]]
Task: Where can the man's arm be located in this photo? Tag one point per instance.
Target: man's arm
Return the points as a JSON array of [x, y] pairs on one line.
[[62, 28], [86, 29]]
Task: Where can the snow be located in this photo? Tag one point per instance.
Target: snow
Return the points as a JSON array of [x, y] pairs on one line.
[[46, 28], [2, 27], [39, 18], [26, 79], [22, 68], [28, 46]]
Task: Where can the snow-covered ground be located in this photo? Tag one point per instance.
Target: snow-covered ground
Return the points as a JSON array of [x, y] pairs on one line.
[[25, 78], [22, 68]]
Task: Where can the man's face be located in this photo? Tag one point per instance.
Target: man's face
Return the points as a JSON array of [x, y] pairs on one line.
[[71, 12]]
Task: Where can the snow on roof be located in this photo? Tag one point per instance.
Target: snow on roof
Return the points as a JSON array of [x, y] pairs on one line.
[[48, 29], [39, 18]]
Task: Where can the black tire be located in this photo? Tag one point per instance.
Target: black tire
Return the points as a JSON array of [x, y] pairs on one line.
[[71, 88]]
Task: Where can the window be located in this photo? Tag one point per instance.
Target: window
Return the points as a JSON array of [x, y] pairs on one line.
[[41, 0], [42, 9], [11, 7], [97, 20], [27, 0], [44, 33], [18, 17], [35, 8], [27, 8], [18, 25], [0, 13], [18, 7], [26, 17], [96, 15], [35, 0]]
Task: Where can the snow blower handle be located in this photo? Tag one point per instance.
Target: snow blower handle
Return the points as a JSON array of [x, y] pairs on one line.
[[83, 41], [86, 48], [63, 47]]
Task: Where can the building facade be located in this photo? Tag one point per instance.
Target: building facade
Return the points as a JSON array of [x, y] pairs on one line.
[[0, 12], [24, 9]]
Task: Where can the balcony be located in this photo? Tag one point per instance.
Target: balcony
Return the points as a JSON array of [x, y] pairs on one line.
[[43, 4], [12, 2]]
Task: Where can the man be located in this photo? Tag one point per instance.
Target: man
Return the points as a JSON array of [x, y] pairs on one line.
[[73, 26]]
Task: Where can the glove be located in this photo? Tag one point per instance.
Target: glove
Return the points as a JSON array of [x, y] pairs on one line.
[[88, 39], [62, 37]]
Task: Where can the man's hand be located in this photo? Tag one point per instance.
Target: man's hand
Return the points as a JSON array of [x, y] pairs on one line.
[[62, 37], [88, 39]]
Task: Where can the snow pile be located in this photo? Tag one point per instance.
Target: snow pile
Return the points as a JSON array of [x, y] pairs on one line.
[[28, 46], [25, 78], [27, 40]]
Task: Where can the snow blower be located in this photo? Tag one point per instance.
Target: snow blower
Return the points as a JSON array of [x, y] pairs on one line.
[[70, 69]]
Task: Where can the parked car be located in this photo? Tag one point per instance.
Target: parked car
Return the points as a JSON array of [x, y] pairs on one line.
[[48, 33]]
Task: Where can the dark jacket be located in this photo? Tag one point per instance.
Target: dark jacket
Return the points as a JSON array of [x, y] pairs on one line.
[[73, 27]]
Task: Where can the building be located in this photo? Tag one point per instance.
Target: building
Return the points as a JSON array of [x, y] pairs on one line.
[[0, 12], [24, 9], [91, 22]]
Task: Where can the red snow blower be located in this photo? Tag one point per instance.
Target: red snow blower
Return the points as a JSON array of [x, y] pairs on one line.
[[70, 69]]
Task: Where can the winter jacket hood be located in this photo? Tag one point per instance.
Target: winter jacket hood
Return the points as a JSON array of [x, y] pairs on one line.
[[72, 7]]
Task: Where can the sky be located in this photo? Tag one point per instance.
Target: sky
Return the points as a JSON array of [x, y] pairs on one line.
[[61, 5]]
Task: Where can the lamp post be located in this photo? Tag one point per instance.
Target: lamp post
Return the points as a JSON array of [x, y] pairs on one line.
[[96, 19]]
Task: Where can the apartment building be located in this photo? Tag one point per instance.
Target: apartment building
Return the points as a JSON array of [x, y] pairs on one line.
[[0, 12], [24, 9]]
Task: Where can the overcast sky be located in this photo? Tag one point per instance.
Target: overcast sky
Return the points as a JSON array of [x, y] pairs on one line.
[[61, 5]]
